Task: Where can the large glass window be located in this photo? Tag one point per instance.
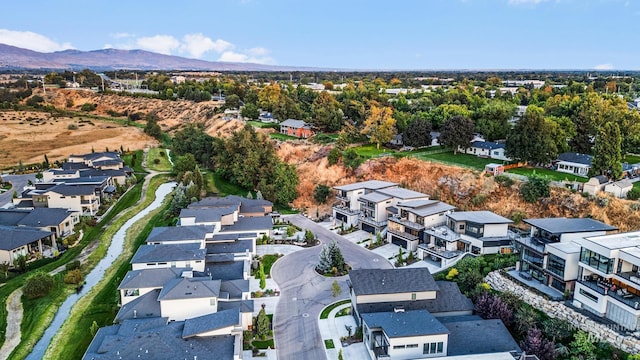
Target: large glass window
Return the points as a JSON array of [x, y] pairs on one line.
[[532, 257], [555, 265], [596, 261], [474, 229]]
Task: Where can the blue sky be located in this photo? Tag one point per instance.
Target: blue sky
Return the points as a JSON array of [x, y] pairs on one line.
[[357, 34]]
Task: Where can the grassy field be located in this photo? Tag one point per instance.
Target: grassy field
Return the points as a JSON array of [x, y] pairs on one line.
[[263, 344], [259, 124], [370, 151], [101, 303], [549, 174], [217, 185], [157, 160], [464, 160], [282, 137]]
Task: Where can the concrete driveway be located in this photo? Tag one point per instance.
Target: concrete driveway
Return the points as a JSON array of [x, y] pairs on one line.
[[18, 182], [304, 293]]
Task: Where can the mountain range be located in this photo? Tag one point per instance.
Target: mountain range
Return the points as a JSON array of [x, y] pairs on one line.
[[15, 58]]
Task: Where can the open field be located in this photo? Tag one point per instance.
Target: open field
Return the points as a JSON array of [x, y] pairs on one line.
[[549, 174], [27, 136], [157, 160]]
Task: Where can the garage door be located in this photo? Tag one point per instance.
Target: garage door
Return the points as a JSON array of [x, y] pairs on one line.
[[398, 241]]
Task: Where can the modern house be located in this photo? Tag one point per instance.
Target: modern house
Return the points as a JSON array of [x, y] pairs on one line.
[[78, 198], [476, 232], [347, 211], [373, 206], [99, 160], [486, 149], [609, 278], [410, 218], [296, 128], [58, 221], [549, 253], [23, 241], [573, 163], [406, 314]]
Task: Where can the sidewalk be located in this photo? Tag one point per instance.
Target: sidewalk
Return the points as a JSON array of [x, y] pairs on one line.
[[334, 328]]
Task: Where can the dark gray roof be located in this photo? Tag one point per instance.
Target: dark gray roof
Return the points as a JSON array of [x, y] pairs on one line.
[[448, 300], [107, 172], [250, 224], [294, 123], [369, 185], [73, 190], [391, 281], [234, 288], [402, 193], [245, 306], [74, 166], [576, 158], [230, 247], [479, 337], [233, 236], [375, 197], [486, 145], [39, 217], [210, 202], [150, 278], [226, 270], [107, 162], [64, 171], [12, 217], [154, 338], [185, 288], [24, 204], [405, 323], [179, 233], [145, 306], [97, 155], [167, 253], [572, 225], [427, 207], [14, 237], [601, 179], [480, 217], [207, 214], [210, 322], [85, 180]]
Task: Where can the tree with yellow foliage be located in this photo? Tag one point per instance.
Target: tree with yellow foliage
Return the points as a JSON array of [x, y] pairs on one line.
[[380, 126]]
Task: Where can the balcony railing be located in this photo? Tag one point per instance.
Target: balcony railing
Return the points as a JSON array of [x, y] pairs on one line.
[[372, 221], [345, 210], [440, 252], [403, 235], [407, 223]]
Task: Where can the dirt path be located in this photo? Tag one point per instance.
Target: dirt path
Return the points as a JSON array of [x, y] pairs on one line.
[[14, 319]]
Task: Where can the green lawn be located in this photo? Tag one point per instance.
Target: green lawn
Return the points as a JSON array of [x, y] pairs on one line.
[[217, 185], [267, 261], [464, 160], [157, 160], [549, 174], [282, 137], [632, 159], [636, 185], [325, 312], [370, 151], [263, 344], [328, 343], [259, 124]]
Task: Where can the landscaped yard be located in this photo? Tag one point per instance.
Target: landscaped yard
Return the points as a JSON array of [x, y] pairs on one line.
[[282, 137], [328, 343], [216, 184], [549, 174], [157, 160], [370, 151], [325, 312], [632, 159], [267, 261], [263, 344], [259, 124], [464, 160]]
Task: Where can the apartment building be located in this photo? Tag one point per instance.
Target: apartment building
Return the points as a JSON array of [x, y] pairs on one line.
[[409, 219]]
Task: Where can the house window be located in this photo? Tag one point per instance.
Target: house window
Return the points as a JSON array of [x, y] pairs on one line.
[[440, 348], [187, 264], [173, 264], [433, 348], [212, 302], [398, 346], [412, 346], [588, 295], [461, 227], [413, 296], [596, 261], [556, 265]]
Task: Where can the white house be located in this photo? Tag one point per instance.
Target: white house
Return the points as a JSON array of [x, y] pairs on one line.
[[406, 226], [574, 163], [487, 149], [348, 209]]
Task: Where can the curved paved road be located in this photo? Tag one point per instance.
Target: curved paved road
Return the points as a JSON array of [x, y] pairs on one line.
[[18, 182], [304, 293]]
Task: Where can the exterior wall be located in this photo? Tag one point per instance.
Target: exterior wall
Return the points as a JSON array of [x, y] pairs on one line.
[[617, 191], [6, 257], [593, 187], [57, 201], [127, 299], [379, 298], [570, 264], [196, 265], [573, 168], [491, 230], [182, 309], [568, 237], [499, 154], [222, 331], [416, 352], [599, 305], [228, 219]]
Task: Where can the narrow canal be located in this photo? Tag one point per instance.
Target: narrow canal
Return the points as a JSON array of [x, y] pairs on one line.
[[97, 273]]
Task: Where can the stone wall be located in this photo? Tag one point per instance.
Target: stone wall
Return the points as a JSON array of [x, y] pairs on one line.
[[559, 310]]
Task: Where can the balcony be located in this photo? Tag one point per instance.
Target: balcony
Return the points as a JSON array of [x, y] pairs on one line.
[[342, 198], [443, 233], [534, 243], [87, 202], [439, 252], [407, 223], [403, 235], [345, 210], [372, 221]]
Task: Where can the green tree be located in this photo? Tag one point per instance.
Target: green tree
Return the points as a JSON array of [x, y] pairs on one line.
[[4, 269], [94, 328], [335, 288], [380, 125], [263, 277], [531, 140], [38, 285], [263, 324], [334, 156], [182, 165], [321, 193], [607, 157], [152, 128], [537, 187], [327, 113], [232, 101], [285, 182], [525, 319], [250, 111], [444, 112], [193, 139], [457, 132], [582, 346], [418, 133], [73, 277], [492, 119]]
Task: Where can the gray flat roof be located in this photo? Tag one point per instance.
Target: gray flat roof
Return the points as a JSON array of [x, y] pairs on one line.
[[435, 207], [567, 248], [405, 323], [375, 197], [479, 337], [185, 288], [179, 233], [391, 281], [370, 185], [207, 214], [569, 225], [480, 217], [167, 253], [226, 270], [210, 322], [234, 288], [616, 241], [402, 193]]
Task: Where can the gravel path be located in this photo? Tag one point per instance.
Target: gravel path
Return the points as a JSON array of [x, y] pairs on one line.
[[14, 319]]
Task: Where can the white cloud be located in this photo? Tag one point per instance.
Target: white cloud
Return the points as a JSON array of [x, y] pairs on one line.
[[122, 35], [31, 40], [604, 67], [526, 2], [233, 56], [197, 44], [163, 44]]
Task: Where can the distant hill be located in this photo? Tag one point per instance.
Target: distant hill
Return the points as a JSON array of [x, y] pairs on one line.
[[12, 58]]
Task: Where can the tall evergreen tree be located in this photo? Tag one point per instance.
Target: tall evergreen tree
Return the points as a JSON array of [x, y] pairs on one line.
[[457, 132], [607, 155], [531, 139]]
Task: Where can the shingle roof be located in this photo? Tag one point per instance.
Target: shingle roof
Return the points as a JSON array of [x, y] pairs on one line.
[[184, 288], [207, 214], [250, 224], [430, 207], [149, 278], [234, 288], [72, 190], [478, 337], [487, 145], [230, 247], [623, 184], [74, 166], [297, 124], [144, 306], [12, 217], [405, 323], [577, 158], [226, 270], [179, 233], [210, 322], [40, 217], [166, 253], [370, 185], [245, 306], [14, 237], [85, 180], [391, 281], [97, 155], [572, 225], [480, 217]]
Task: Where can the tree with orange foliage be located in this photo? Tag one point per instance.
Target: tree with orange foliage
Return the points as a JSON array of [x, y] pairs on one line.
[[380, 126]]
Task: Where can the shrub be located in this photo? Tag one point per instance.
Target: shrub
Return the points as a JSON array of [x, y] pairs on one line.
[[88, 107], [504, 180], [73, 277], [38, 285], [75, 264], [634, 194], [479, 199], [452, 273], [602, 202], [490, 306], [537, 187], [156, 161], [72, 127], [517, 216]]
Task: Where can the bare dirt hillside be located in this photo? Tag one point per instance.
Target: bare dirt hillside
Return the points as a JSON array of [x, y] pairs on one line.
[[466, 189], [27, 136]]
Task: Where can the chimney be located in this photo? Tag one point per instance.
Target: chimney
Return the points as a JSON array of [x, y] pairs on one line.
[[135, 314]]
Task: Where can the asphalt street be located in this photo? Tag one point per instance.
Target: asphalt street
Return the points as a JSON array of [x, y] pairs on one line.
[[18, 182], [304, 293]]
